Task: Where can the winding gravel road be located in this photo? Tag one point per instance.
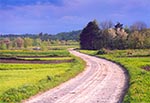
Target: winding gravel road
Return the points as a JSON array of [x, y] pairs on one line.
[[101, 82]]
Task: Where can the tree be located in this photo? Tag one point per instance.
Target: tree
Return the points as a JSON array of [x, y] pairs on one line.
[[7, 42], [37, 42], [88, 35], [147, 42], [115, 38], [19, 42], [138, 26], [28, 42], [118, 25], [119, 43], [136, 40], [106, 25], [2, 45], [127, 29], [106, 39], [146, 34]]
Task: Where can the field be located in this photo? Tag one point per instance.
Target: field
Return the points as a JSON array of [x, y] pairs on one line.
[[29, 53], [19, 81], [134, 61]]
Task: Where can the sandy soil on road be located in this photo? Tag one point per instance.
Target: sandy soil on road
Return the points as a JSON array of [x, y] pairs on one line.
[[101, 82]]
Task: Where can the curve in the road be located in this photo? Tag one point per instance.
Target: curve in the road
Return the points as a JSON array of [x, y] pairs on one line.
[[101, 82]]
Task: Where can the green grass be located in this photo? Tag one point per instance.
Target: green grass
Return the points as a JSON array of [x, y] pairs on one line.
[[51, 53], [4, 66], [132, 60], [20, 81], [51, 58]]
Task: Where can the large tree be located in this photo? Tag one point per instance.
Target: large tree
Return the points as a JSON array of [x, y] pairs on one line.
[[89, 35]]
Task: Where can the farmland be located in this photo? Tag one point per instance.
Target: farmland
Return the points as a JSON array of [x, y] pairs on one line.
[[29, 53], [19, 81], [133, 61]]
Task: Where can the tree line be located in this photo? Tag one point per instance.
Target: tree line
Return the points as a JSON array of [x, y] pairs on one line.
[[26, 43], [110, 36], [73, 35], [12, 41]]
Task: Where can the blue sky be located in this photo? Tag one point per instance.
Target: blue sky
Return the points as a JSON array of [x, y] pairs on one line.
[[53, 16]]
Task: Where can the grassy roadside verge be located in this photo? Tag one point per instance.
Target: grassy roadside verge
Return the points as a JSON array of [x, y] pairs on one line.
[[133, 61]]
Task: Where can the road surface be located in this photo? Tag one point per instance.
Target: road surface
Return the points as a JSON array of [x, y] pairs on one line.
[[101, 82]]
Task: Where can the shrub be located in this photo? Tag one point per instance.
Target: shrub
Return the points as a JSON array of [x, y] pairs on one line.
[[102, 51]]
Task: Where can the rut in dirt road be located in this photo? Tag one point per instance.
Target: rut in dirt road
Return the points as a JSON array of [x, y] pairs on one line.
[[101, 82]]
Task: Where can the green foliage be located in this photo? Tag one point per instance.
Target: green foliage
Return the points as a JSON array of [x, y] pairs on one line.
[[89, 35], [28, 42], [44, 45], [133, 61], [73, 35], [38, 45], [136, 40], [3, 46], [36, 42], [92, 38]]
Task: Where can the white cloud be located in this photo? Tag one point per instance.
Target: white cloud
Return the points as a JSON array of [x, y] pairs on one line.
[[72, 13]]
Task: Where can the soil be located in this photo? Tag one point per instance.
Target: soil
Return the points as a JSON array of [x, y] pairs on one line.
[[20, 61], [40, 56]]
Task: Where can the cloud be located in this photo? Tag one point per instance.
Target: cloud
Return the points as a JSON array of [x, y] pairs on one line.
[[54, 16]]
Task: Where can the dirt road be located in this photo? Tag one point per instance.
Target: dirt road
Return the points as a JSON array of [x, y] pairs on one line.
[[101, 82]]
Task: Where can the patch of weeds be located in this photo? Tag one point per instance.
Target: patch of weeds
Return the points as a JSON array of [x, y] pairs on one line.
[[14, 95]]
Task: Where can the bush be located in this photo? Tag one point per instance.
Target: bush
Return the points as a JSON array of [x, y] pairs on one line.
[[102, 51]]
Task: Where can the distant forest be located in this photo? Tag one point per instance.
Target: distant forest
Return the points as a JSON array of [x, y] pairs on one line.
[[73, 35]]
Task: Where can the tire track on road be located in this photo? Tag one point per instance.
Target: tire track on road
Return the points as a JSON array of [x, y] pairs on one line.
[[101, 82]]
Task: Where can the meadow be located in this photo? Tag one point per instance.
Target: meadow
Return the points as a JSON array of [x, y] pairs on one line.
[[133, 61], [29, 53], [19, 81]]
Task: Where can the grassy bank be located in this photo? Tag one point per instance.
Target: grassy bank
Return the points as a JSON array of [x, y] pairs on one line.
[[133, 61]]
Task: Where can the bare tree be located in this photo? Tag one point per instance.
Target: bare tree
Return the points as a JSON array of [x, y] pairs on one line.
[[138, 26], [106, 25]]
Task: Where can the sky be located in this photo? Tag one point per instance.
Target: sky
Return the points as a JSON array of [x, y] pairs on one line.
[[54, 16]]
